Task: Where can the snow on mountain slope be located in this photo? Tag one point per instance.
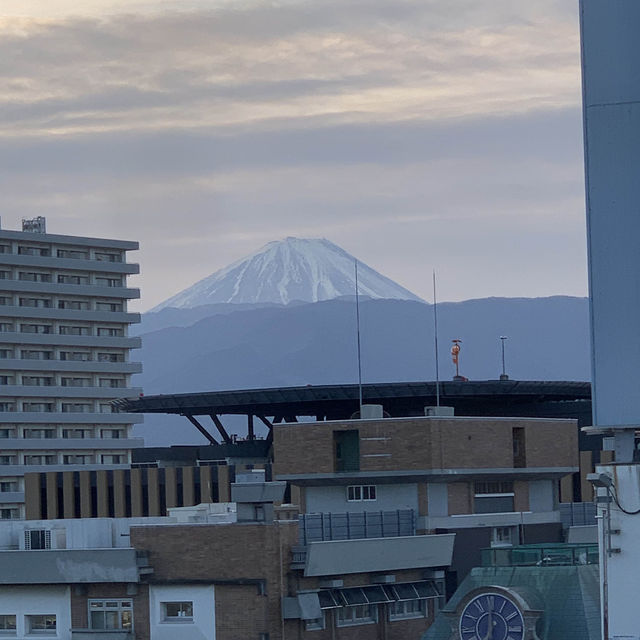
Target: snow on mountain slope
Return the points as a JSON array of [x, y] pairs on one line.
[[307, 270]]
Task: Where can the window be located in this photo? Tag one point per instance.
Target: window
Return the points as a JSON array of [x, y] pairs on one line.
[[69, 279], [74, 331], [72, 253], [7, 406], [110, 357], [39, 433], [6, 326], [77, 459], [75, 382], [37, 539], [6, 300], [108, 282], [6, 380], [5, 275], [177, 611], [7, 433], [76, 356], [7, 624], [40, 624], [33, 251], [77, 433], [111, 614], [113, 383], [31, 354], [112, 332], [39, 407], [76, 305], [108, 306], [108, 257], [9, 513], [5, 354], [112, 458], [494, 496], [40, 459], [407, 609], [39, 303], [111, 433], [76, 407], [37, 381], [36, 328], [358, 493], [360, 614], [105, 407], [502, 536], [8, 459], [34, 276], [8, 486], [317, 624]]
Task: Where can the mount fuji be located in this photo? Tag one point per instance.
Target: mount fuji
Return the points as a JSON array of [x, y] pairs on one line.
[[290, 270]]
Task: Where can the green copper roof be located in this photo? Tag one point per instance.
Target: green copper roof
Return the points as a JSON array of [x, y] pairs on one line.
[[568, 595]]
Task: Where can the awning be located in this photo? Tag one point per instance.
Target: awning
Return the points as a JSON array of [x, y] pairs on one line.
[[377, 594]]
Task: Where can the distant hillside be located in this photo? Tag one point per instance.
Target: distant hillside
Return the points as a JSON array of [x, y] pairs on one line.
[[315, 344]]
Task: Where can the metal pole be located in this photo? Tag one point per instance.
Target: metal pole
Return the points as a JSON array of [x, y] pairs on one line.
[[435, 336], [504, 370], [358, 333]]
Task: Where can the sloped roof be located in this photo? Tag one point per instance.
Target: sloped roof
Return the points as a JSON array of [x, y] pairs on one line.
[[569, 595]]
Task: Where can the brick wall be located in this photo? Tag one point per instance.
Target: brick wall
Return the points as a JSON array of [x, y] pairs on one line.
[[226, 553], [426, 443]]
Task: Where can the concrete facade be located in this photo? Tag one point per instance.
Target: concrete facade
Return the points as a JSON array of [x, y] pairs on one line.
[[64, 356]]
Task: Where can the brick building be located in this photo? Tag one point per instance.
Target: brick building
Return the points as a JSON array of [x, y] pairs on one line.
[[348, 530]]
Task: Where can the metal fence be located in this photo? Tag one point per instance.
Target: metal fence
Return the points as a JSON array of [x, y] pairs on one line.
[[577, 514], [317, 527]]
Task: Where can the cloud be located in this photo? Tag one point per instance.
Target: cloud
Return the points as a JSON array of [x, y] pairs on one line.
[[410, 132]]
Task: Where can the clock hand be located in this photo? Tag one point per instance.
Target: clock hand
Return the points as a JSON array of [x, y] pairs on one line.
[[489, 635]]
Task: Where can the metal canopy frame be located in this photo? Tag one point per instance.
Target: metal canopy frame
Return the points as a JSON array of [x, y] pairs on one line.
[[506, 398]]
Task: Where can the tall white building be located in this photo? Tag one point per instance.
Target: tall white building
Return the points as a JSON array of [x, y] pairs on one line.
[[64, 356]]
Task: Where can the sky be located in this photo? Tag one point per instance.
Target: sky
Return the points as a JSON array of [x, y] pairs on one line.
[[416, 134]]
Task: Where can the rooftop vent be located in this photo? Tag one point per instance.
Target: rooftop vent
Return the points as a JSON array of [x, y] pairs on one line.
[[440, 412]]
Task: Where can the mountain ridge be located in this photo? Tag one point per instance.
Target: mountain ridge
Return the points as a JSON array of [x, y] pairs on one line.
[[285, 271]]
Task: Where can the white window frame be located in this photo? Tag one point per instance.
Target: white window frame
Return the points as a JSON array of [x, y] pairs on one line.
[[362, 493], [407, 609], [179, 619], [8, 631], [100, 605], [29, 620], [502, 536], [354, 618], [317, 624]]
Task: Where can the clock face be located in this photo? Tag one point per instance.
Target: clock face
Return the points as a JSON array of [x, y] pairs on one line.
[[491, 616]]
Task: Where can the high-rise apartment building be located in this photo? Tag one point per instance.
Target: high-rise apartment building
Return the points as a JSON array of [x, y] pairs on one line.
[[64, 356]]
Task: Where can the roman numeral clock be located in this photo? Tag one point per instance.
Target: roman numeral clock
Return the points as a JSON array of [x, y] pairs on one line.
[[494, 613]]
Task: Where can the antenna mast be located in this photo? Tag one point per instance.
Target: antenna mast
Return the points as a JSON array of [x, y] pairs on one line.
[[435, 337], [358, 334]]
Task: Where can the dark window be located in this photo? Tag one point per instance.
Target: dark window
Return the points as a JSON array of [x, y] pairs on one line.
[[347, 450]]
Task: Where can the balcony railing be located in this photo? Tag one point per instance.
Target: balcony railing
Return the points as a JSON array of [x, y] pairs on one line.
[[540, 555]]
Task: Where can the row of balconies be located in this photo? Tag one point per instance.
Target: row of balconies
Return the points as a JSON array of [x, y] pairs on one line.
[[40, 399], [78, 361], [53, 257], [53, 340], [8, 325], [79, 289], [112, 312], [39, 379]]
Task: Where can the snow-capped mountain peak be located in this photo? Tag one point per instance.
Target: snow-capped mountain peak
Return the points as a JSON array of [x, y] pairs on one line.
[[293, 269]]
